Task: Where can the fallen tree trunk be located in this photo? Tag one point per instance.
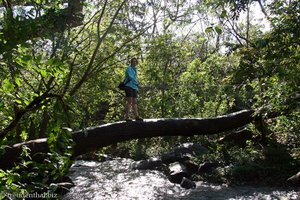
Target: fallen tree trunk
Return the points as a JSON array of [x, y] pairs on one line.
[[95, 137]]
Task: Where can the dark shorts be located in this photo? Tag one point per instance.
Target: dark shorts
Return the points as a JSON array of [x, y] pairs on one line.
[[130, 92]]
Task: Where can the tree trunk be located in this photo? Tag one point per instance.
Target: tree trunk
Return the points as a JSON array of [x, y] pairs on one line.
[[95, 137]]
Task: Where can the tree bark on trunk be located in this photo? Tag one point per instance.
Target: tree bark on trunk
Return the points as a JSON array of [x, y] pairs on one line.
[[95, 137]]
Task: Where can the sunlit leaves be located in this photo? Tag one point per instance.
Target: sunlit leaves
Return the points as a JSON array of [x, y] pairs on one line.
[[7, 86], [24, 135], [24, 59], [209, 29], [201, 88], [217, 29]]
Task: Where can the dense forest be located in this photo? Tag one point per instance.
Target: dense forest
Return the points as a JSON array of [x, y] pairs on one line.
[[61, 62]]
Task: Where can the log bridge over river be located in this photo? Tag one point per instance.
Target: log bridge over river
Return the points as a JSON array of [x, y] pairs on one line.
[[92, 138]]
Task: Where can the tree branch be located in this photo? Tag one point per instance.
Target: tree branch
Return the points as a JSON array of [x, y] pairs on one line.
[[100, 40], [96, 68]]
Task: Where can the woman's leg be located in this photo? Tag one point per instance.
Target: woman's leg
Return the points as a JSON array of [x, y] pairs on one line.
[[131, 104], [128, 107], [134, 107]]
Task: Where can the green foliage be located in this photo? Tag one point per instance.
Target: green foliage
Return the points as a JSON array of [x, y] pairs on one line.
[[218, 29], [40, 176], [250, 165], [273, 163], [203, 91]]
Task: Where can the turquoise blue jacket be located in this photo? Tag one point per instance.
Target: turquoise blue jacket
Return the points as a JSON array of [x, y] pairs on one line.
[[131, 78]]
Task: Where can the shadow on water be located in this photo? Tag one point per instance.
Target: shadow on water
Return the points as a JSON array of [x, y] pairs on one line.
[[115, 179]]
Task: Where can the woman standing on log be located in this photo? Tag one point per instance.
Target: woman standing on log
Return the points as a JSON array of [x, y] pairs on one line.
[[131, 90]]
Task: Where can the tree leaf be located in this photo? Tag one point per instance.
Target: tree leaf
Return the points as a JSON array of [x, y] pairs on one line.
[[18, 81], [8, 86], [209, 29], [223, 14], [218, 29], [44, 73]]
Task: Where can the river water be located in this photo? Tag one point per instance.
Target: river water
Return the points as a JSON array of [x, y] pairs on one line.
[[116, 180]]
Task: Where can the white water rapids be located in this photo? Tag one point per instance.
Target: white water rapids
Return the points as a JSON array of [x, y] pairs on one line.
[[116, 180]]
